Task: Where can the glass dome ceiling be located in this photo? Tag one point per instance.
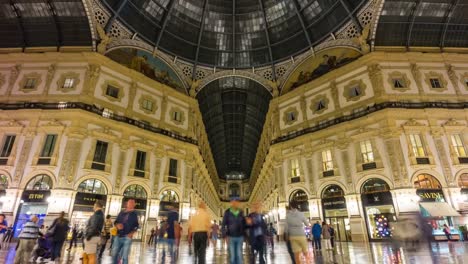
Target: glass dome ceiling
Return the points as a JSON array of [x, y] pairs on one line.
[[234, 33]]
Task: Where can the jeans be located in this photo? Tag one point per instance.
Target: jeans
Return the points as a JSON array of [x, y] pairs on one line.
[[24, 251], [235, 250], [317, 243], [103, 246], [257, 246], [170, 248], [121, 249], [200, 241], [56, 249]]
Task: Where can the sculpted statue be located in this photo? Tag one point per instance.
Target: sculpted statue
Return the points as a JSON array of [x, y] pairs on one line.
[[361, 40], [105, 40]]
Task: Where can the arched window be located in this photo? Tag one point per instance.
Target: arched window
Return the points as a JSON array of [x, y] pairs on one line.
[[92, 186], [463, 181], [135, 191], [169, 196], [41, 182], [375, 185], [333, 191], [426, 181], [234, 190], [301, 199], [3, 182]]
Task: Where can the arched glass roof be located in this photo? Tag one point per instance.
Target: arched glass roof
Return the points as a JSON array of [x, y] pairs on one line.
[[234, 33], [234, 110]]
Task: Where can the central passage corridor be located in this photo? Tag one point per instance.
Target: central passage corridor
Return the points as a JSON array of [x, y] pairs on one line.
[[359, 253]]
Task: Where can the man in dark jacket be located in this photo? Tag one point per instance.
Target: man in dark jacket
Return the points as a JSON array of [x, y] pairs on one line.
[[58, 232], [233, 227], [127, 225], [257, 232], [93, 234]]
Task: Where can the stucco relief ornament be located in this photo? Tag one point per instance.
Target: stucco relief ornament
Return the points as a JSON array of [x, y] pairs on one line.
[[361, 40], [193, 87], [105, 40], [15, 70]]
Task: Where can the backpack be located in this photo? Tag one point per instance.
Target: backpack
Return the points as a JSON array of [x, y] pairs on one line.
[[332, 231]]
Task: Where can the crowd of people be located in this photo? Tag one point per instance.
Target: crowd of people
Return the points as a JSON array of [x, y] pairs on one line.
[[234, 228], [40, 243]]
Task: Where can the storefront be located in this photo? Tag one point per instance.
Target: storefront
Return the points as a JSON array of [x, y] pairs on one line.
[[3, 187], [378, 209], [140, 196], [302, 200], [335, 212], [169, 199], [33, 202], [88, 192], [434, 209], [463, 202]]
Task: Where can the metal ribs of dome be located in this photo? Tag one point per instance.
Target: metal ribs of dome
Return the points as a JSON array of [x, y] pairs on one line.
[[234, 33]]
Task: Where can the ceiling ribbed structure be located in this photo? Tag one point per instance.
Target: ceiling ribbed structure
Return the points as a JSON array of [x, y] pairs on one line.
[[234, 33], [234, 111]]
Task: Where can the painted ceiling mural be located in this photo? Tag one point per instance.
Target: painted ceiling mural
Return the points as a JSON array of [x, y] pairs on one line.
[[318, 65], [145, 63]]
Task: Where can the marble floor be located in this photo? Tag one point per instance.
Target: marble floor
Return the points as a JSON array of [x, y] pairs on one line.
[[359, 253]]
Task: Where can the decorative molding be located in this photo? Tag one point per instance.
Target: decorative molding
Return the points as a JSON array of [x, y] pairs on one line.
[[32, 75], [436, 75], [315, 102], [351, 85], [402, 76], [115, 84], [173, 110], [63, 77], [286, 113], [141, 101], [464, 80], [413, 122]]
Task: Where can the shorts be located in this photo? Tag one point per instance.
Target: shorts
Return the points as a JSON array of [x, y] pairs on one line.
[[298, 244], [91, 246]]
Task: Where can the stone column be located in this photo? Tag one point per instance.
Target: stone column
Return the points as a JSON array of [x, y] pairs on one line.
[[70, 159], [395, 154], [10, 203], [356, 220], [315, 210], [92, 75], [114, 204], [158, 155], [24, 155], [124, 146], [437, 134]]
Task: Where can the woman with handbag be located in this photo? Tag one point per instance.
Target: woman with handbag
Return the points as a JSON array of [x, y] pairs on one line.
[[58, 232]]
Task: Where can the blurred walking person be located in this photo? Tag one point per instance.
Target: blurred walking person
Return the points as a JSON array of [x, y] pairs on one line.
[[58, 231], [326, 236], [3, 229], [8, 234], [272, 236], [332, 235], [27, 240], [127, 224], [257, 233], [74, 237], [317, 233], [151, 238], [199, 228], [106, 235], [295, 223], [214, 233], [172, 230], [233, 226], [92, 234]]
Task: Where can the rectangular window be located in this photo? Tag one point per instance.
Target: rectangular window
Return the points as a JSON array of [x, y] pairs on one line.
[[295, 171], [291, 116], [435, 83], [327, 161], [112, 91], [7, 146], [68, 83], [30, 83], [49, 145], [177, 116], [354, 92], [366, 152], [173, 167], [140, 161], [398, 83], [458, 146], [100, 153], [417, 145], [147, 105]]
